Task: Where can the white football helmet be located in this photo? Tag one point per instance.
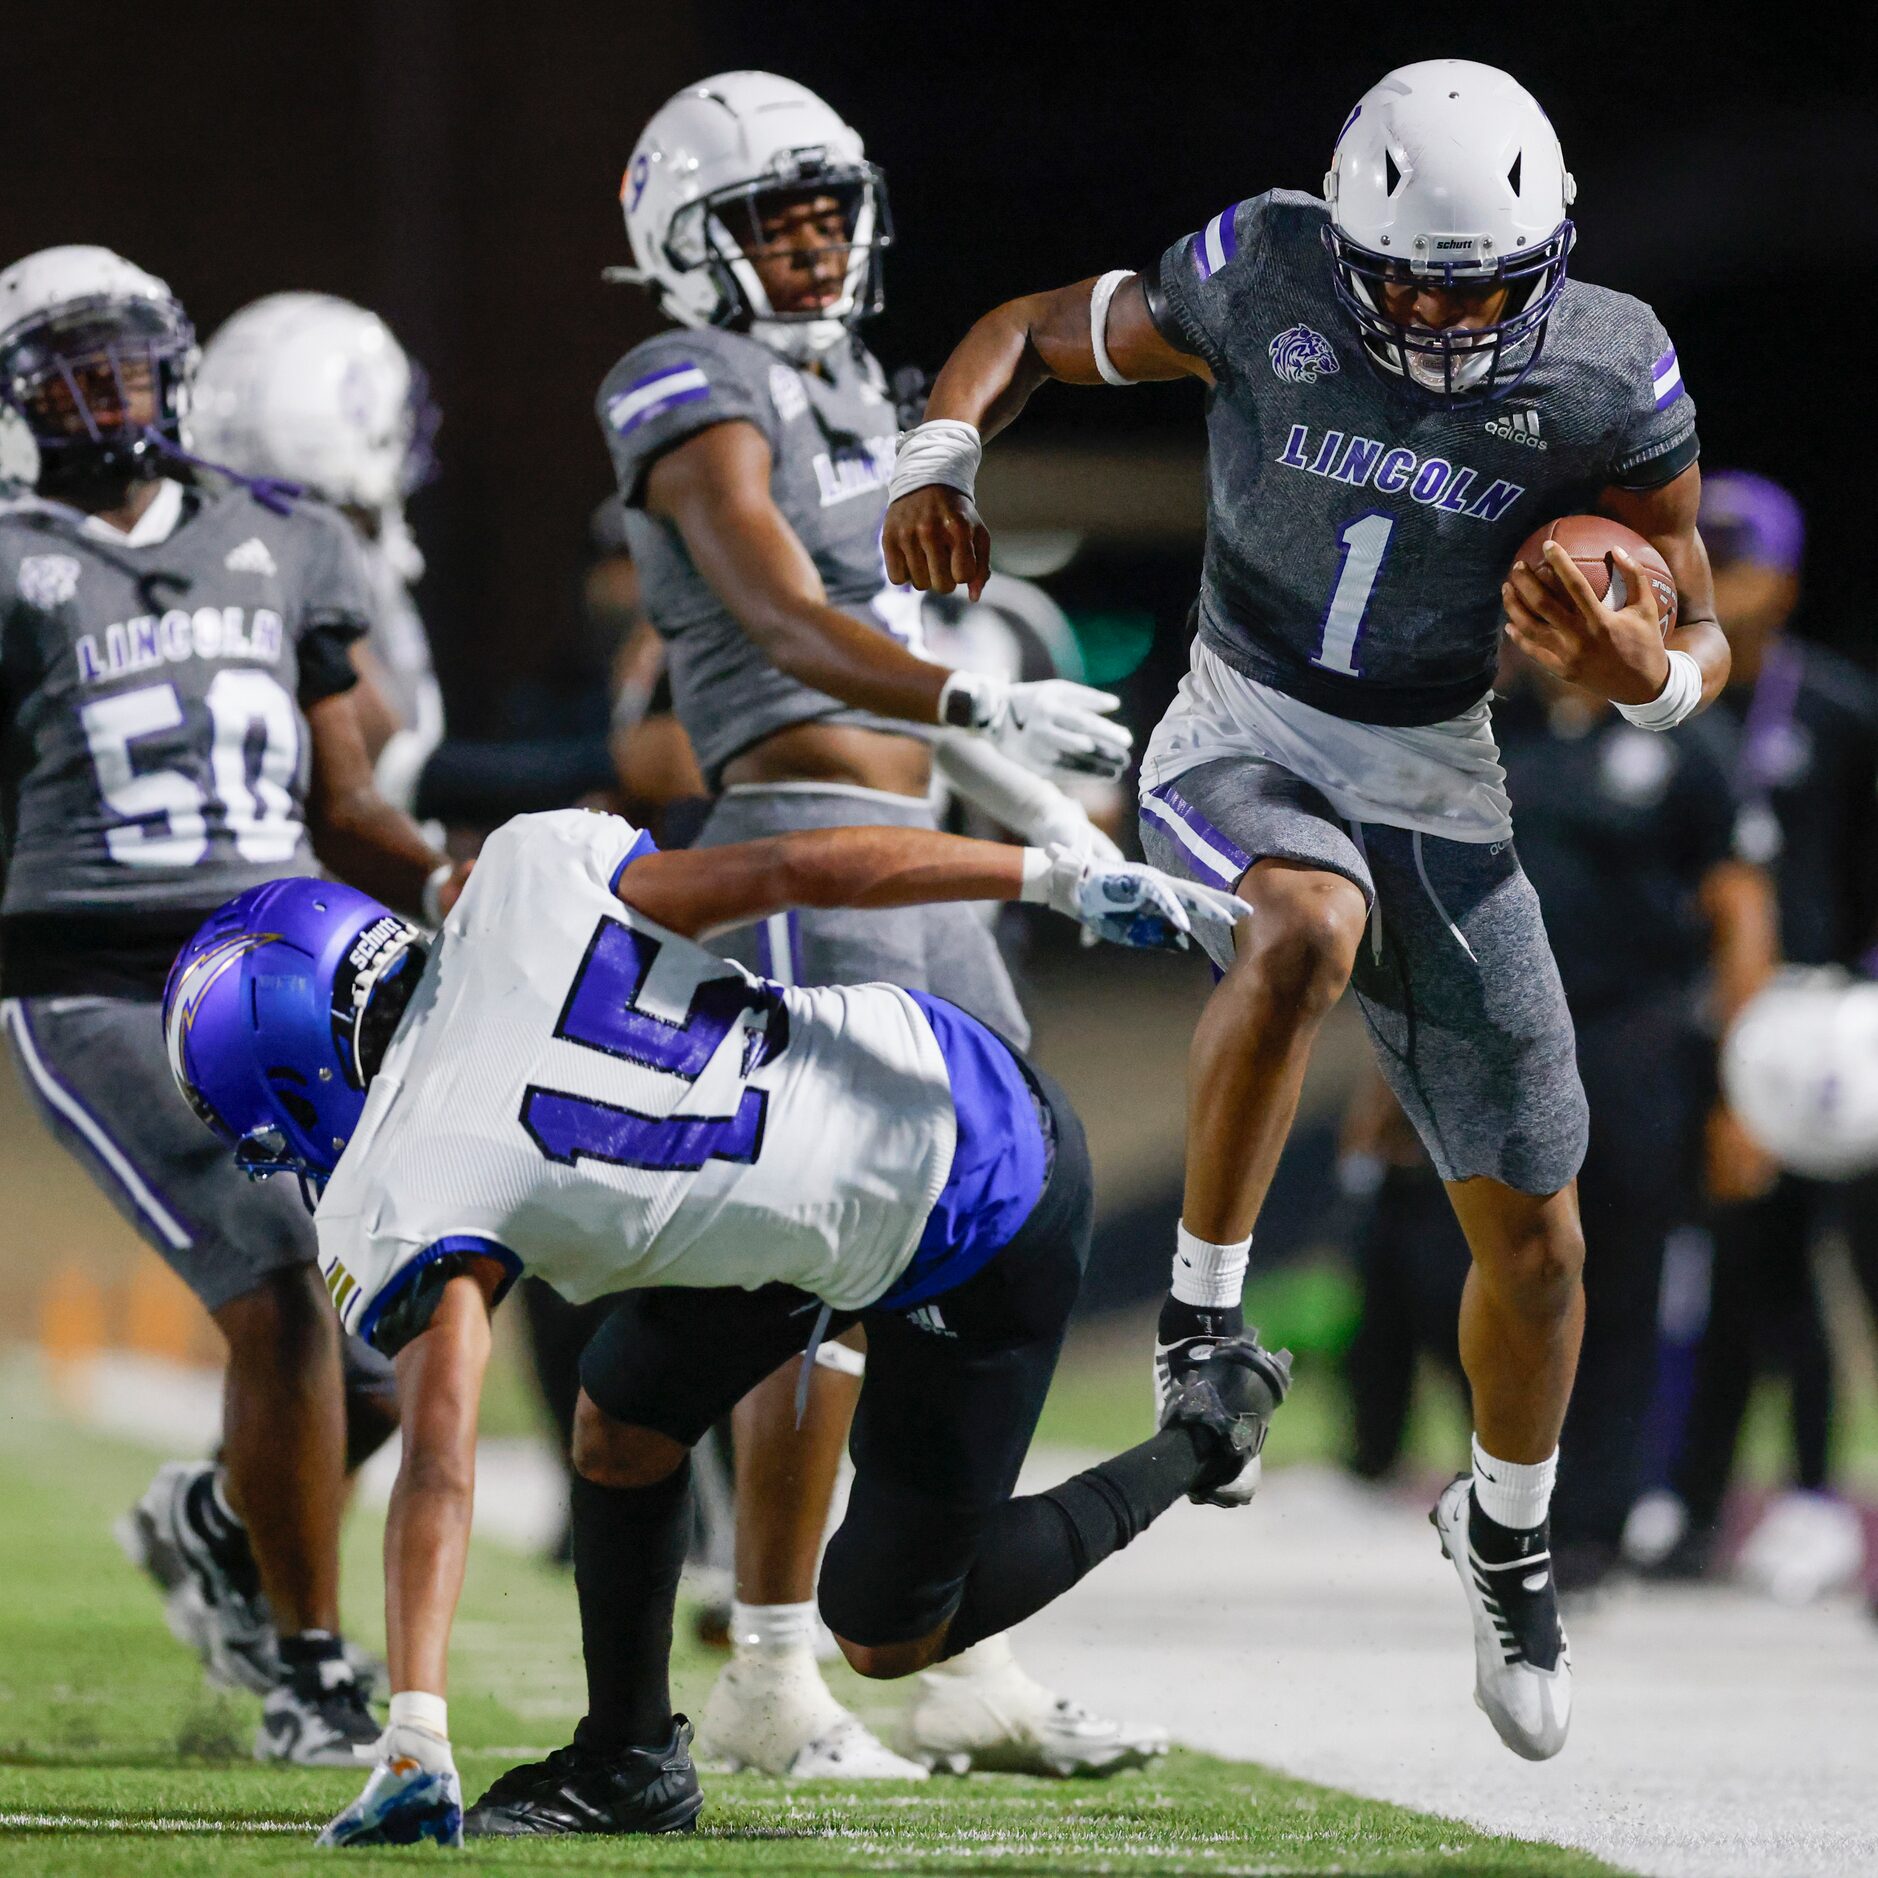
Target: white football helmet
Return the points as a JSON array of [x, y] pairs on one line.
[[695, 187], [1449, 172], [1800, 1069], [81, 331], [313, 390]]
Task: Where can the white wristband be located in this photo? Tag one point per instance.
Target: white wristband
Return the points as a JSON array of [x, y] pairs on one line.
[[1099, 324], [1680, 697], [942, 450], [420, 1710], [1038, 866], [431, 901]]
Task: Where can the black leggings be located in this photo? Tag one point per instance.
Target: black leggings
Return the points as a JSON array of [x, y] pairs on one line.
[[951, 1398]]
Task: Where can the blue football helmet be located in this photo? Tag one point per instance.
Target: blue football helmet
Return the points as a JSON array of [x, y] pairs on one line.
[[272, 1012]]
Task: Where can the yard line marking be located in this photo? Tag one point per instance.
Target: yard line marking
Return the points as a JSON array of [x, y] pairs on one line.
[[81, 1822]]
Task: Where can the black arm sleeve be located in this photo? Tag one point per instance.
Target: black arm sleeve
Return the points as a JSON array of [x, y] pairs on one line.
[[326, 662]]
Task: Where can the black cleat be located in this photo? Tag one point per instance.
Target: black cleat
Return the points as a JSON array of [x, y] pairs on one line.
[[211, 1591], [580, 1788], [1232, 1387], [317, 1716]]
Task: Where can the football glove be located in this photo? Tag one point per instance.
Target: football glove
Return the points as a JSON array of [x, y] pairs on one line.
[[1130, 904], [1048, 724]]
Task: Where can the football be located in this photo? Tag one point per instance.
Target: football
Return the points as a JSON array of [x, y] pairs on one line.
[[1589, 539]]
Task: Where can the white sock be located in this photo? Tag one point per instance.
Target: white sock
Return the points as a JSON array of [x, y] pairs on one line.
[[772, 1629], [416, 1709], [1513, 1493], [1207, 1276], [987, 1657]]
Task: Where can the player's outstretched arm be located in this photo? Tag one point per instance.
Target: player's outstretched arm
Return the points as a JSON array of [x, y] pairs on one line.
[[934, 537], [357, 833], [427, 1529], [413, 1790], [714, 488], [699, 892], [1620, 653]]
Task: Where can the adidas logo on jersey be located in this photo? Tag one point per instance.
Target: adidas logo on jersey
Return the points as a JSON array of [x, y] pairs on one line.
[[251, 557], [928, 1319], [1520, 426]]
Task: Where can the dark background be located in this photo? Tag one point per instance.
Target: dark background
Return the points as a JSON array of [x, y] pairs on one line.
[[455, 167]]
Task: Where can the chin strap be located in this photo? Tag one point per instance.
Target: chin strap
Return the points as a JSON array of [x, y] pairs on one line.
[[273, 493], [800, 341]]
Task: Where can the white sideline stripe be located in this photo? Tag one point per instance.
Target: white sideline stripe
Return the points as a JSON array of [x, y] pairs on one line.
[[79, 1822], [1672, 376], [1217, 864], [75, 1112]]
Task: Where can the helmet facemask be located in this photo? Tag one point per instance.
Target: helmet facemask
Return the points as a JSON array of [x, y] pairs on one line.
[[724, 232], [103, 384], [1454, 365]]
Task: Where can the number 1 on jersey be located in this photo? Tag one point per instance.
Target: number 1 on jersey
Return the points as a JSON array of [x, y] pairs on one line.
[[1365, 541]]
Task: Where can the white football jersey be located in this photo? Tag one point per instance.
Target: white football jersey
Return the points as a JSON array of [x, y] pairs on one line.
[[592, 1098]]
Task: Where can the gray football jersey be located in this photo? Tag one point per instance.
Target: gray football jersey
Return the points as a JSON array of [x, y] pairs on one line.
[[831, 441], [1357, 534], [153, 749]]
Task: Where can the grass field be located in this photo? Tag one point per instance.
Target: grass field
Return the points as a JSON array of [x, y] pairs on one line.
[[115, 1758]]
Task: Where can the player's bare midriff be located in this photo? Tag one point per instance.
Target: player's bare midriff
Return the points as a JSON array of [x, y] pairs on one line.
[[836, 753]]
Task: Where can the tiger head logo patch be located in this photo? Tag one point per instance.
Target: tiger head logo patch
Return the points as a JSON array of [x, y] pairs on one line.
[[1301, 355]]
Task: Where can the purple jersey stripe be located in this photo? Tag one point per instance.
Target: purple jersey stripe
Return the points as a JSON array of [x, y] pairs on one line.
[[1216, 855], [63, 1101], [1216, 243], [664, 371], [1666, 379], [407, 1274], [643, 845], [670, 402]]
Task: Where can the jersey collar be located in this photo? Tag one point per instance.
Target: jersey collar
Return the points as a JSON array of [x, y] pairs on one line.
[[154, 526]]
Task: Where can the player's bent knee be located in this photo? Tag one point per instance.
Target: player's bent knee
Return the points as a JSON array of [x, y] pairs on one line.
[[1301, 949], [1540, 1268], [612, 1453], [886, 1662]]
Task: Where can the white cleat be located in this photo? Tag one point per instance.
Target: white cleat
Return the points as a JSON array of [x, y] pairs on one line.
[[773, 1713], [850, 1750], [1522, 1659], [219, 1614], [980, 1711], [1807, 1546]]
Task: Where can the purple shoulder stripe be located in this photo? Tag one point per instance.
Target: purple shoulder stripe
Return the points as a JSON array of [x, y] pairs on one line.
[[1666, 380], [1216, 243]]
